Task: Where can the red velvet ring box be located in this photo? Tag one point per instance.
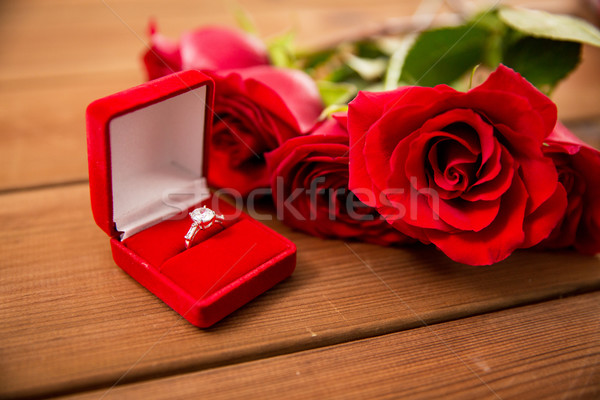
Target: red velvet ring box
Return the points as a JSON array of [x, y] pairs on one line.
[[147, 163]]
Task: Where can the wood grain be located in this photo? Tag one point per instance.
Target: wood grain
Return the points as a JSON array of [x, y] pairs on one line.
[[73, 37], [72, 320], [43, 139], [543, 351]]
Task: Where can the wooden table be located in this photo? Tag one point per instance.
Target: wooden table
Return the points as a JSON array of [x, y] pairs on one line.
[[354, 321]]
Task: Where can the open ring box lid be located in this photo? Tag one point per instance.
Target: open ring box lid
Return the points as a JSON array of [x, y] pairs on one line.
[[147, 166]]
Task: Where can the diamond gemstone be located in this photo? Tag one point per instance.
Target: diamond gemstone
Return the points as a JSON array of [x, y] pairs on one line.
[[202, 215]]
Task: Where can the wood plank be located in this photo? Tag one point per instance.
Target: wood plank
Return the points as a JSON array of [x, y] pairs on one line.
[[72, 320], [63, 37], [544, 351], [42, 137]]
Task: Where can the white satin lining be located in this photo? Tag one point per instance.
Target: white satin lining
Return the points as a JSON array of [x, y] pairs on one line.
[[156, 161]]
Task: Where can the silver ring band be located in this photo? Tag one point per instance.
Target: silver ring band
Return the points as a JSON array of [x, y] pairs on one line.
[[203, 218]]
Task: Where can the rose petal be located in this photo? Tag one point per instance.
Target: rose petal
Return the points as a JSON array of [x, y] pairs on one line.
[[291, 87], [420, 210], [580, 225], [359, 180], [257, 119], [493, 183], [504, 79], [455, 174], [494, 243], [469, 216], [451, 121], [323, 158], [335, 126], [540, 178], [409, 159], [365, 141], [163, 57], [217, 48], [563, 136], [243, 179], [539, 224], [588, 233]]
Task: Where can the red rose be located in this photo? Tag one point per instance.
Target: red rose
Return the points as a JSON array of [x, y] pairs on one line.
[[256, 110], [464, 171], [208, 48], [309, 181], [578, 168]]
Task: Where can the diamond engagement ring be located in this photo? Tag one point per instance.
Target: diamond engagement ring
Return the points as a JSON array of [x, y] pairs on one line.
[[203, 218]]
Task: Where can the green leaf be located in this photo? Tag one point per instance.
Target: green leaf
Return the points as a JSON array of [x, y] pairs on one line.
[[342, 74], [368, 68], [312, 60], [550, 26], [444, 55], [374, 87], [367, 49], [336, 93], [281, 51], [543, 62], [397, 59]]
